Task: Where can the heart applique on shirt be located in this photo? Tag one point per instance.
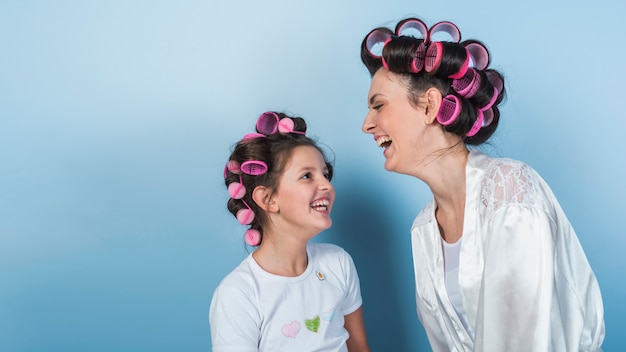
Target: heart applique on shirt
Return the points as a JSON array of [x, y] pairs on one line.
[[312, 324], [291, 330]]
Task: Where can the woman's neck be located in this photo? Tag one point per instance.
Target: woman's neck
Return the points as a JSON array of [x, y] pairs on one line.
[[449, 194]]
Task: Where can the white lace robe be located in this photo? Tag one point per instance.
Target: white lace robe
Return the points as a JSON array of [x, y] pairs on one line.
[[525, 280]]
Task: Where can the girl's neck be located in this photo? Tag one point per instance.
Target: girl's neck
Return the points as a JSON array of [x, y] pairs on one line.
[[282, 258]]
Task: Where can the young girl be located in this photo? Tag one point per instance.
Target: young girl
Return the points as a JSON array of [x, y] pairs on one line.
[[289, 294]]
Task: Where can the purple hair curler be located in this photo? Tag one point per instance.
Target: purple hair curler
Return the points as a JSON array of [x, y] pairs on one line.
[[254, 167], [449, 109], [467, 85], [479, 55], [461, 72], [269, 123], [495, 80], [381, 55], [488, 117], [477, 124], [375, 42], [412, 25], [444, 27], [493, 99], [433, 56]]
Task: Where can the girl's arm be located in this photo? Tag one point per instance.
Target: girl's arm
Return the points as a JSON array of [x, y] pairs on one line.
[[357, 342]]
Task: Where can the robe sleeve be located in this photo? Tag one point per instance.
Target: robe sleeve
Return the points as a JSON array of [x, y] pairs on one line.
[[517, 288]]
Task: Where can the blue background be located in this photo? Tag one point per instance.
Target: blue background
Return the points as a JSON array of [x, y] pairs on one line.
[[116, 119]]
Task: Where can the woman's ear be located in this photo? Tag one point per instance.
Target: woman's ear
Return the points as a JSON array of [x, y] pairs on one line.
[[433, 102], [262, 196]]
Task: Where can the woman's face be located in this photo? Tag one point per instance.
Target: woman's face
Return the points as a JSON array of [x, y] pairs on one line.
[[398, 126]]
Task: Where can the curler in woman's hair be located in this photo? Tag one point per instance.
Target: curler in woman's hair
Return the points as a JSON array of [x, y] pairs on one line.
[[446, 59], [477, 124], [478, 53], [376, 40], [467, 85], [412, 26], [449, 109]]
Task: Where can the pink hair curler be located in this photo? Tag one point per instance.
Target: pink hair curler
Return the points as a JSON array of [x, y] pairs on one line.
[[231, 166], [236, 190], [249, 136], [254, 167], [245, 216], [488, 117], [477, 124], [420, 56], [449, 109], [433, 57], [269, 123], [444, 27], [494, 97], [412, 26], [252, 237], [478, 54], [375, 42], [495, 80], [463, 68], [467, 85], [381, 54]]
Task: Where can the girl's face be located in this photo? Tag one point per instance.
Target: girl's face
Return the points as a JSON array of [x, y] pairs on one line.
[[304, 195], [398, 126]]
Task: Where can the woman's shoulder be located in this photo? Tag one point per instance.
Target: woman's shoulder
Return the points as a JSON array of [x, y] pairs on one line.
[[509, 182]]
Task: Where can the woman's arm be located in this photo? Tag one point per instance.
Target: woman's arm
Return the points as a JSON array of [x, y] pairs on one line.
[[357, 342], [517, 286]]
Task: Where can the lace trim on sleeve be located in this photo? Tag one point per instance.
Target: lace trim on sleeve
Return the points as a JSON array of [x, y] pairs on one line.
[[508, 182]]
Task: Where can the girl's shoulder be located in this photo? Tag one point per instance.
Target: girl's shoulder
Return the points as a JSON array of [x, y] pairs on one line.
[[322, 249]]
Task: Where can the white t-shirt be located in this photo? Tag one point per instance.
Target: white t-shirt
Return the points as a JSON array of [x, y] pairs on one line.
[[253, 310]]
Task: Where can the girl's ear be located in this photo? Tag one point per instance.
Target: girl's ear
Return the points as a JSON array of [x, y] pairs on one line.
[[262, 196], [433, 102]]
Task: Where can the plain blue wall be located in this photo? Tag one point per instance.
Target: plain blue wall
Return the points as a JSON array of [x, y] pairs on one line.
[[116, 119]]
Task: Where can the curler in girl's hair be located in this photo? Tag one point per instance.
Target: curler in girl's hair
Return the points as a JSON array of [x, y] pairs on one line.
[[269, 123], [252, 237], [246, 215], [254, 167]]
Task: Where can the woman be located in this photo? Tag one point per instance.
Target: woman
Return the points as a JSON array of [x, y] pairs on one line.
[[498, 267]]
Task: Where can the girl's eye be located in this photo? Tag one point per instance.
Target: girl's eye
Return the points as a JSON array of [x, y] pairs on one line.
[[307, 175], [377, 106], [327, 176]]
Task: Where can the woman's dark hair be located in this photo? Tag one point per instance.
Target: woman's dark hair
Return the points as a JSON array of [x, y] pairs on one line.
[[398, 55], [275, 150]]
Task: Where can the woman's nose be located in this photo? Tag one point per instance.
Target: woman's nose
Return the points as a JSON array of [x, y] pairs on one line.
[[368, 124]]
